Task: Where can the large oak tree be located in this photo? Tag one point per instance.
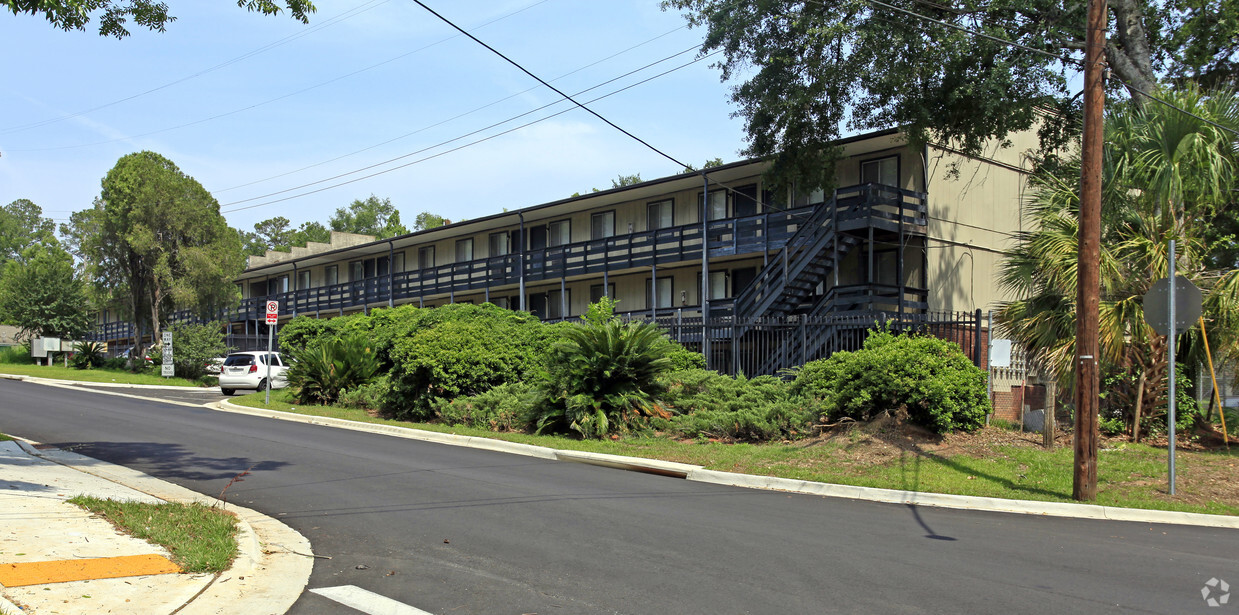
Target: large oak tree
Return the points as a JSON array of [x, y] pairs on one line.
[[155, 237], [807, 72]]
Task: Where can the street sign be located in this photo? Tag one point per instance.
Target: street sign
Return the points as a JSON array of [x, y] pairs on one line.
[[1187, 305], [166, 370], [273, 312]]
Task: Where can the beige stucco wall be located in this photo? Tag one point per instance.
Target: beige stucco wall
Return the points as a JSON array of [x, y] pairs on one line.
[[975, 211]]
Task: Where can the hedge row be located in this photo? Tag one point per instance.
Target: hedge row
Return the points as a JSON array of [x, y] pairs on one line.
[[488, 367]]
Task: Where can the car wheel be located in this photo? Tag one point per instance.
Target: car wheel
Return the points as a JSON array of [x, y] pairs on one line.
[[262, 384], [228, 392]]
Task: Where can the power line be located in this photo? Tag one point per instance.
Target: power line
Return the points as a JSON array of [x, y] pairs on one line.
[[551, 87], [476, 109], [1063, 59], [458, 148], [353, 12]]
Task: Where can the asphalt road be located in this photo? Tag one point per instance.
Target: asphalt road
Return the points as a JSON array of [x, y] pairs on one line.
[[453, 531]]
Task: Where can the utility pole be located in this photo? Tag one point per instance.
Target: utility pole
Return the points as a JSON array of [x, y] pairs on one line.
[[1088, 291]]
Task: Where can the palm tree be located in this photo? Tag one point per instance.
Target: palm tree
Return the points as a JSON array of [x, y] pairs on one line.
[[1166, 174]]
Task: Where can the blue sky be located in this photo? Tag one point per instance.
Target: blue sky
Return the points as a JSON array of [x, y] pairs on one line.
[[366, 82]]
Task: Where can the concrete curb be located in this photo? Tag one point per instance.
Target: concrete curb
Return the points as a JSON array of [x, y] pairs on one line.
[[117, 385], [732, 479], [273, 563]]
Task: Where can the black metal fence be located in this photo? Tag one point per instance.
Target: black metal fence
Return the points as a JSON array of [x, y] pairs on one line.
[[762, 346]]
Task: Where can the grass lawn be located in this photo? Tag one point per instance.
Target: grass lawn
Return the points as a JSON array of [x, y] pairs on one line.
[[992, 463], [200, 538], [60, 372]]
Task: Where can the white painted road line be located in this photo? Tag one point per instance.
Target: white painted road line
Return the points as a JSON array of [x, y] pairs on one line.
[[366, 601]]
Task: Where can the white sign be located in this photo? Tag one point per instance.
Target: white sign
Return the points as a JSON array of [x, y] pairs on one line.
[[273, 312], [166, 370], [1000, 353]]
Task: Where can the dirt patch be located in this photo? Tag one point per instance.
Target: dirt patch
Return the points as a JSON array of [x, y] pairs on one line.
[[1205, 474]]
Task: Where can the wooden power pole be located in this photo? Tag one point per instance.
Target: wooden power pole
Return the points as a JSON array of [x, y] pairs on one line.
[[1084, 483]]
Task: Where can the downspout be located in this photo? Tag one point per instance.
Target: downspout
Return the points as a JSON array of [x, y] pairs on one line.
[[391, 274], [294, 301], [521, 249], [705, 267]]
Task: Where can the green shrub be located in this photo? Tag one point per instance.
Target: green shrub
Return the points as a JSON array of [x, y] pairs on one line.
[[368, 396], [194, 345], [603, 378], [325, 368], [299, 332], [712, 405], [18, 355], [459, 350], [682, 359], [507, 407], [931, 378], [88, 355]]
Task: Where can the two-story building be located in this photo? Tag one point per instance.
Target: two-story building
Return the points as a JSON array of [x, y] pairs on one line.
[[910, 230]]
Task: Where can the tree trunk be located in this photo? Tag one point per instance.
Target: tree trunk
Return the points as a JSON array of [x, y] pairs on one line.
[[1128, 50]]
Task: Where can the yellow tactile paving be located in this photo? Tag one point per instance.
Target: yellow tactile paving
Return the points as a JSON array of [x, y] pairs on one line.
[[61, 571]]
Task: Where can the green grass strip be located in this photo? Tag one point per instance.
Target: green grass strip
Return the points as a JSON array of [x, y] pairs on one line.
[[1129, 475], [118, 376], [200, 538]]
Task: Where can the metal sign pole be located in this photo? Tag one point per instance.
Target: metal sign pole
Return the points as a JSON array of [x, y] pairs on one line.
[[270, 337], [1170, 351]]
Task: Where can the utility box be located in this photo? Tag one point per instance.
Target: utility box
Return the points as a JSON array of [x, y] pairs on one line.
[[40, 346]]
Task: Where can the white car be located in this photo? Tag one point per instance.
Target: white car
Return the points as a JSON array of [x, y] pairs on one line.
[[248, 370]]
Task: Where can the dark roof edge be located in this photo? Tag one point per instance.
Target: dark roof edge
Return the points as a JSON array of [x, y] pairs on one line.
[[645, 184]]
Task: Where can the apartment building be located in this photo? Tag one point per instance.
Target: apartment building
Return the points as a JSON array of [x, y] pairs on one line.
[[909, 230]]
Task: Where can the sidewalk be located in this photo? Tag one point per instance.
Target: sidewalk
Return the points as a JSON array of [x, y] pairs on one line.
[[39, 526]]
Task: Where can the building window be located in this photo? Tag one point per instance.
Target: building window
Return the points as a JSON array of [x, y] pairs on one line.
[[464, 250], [384, 265], [399, 263], [355, 272], [278, 285], [602, 225], [426, 257], [558, 303], [660, 214], [500, 244], [663, 298], [596, 292], [716, 209], [303, 280], [883, 171], [559, 233], [370, 268], [331, 275], [718, 284]]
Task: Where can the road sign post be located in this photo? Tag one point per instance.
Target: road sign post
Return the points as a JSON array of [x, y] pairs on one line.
[[1172, 305], [273, 316], [167, 370]]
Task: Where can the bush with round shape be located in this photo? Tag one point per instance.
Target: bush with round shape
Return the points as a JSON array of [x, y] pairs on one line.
[[930, 378]]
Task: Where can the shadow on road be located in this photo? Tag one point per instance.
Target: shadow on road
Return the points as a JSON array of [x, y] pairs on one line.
[[165, 460]]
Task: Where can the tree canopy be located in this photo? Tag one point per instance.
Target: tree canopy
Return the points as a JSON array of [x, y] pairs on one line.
[[427, 220], [155, 236], [22, 224], [808, 71], [42, 295], [372, 216], [114, 15]]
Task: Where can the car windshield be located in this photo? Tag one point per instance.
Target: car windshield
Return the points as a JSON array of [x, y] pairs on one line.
[[239, 359]]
